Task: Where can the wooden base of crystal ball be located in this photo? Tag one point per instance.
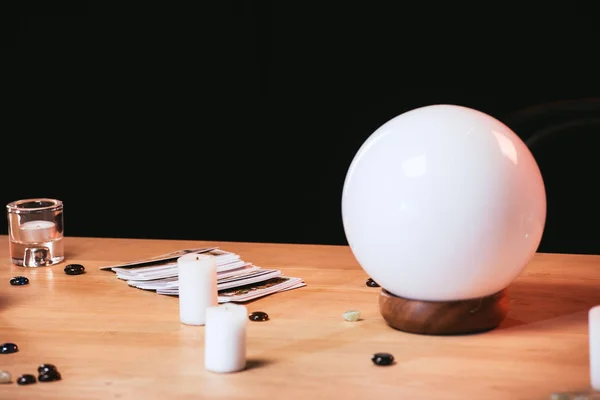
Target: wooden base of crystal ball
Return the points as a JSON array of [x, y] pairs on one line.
[[444, 317]]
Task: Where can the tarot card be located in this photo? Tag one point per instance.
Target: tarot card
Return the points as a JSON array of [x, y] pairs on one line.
[[265, 288], [163, 258], [222, 284], [250, 291], [173, 282], [240, 279], [245, 270], [171, 270], [135, 273], [168, 267], [245, 280], [237, 280]]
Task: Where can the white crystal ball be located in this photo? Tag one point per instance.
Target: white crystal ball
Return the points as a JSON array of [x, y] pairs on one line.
[[443, 203]]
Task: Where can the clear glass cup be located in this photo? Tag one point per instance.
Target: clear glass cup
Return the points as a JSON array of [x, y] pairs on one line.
[[36, 230]]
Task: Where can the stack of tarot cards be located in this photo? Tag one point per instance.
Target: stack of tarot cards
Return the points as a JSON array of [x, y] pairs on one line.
[[237, 280]]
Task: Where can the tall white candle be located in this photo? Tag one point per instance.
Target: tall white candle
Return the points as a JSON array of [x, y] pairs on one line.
[[225, 338], [197, 287], [37, 231], [594, 338]]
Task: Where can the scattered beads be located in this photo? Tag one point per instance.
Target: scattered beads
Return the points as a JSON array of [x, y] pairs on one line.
[[19, 281], [48, 373], [8, 348], [74, 269], [5, 377], [45, 368], [258, 316], [50, 376], [372, 283], [352, 315], [26, 379], [382, 359]]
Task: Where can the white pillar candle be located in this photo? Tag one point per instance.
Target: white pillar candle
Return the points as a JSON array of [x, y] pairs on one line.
[[225, 338], [37, 231], [197, 276], [594, 339]]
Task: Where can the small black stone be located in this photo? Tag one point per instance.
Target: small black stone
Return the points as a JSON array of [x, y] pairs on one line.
[[50, 376], [258, 316], [19, 281], [26, 379], [74, 269], [372, 283], [45, 368], [8, 348], [382, 359]]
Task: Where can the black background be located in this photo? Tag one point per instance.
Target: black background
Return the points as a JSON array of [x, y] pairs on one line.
[[237, 121]]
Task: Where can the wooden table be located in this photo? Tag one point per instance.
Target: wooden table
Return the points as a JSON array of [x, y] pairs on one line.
[[111, 341]]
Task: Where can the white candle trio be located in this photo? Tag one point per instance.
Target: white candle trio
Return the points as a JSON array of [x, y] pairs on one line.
[[225, 325]]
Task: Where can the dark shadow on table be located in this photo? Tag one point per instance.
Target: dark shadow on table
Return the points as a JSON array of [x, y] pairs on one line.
[[253, 363], [533, 302]]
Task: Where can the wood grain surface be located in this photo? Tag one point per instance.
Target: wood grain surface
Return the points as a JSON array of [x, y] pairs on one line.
[[111, 341]]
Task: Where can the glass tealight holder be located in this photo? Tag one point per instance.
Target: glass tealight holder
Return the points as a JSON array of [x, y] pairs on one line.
[[35, 230]]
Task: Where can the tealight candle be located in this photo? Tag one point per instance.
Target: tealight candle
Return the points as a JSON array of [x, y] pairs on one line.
[[37, 231], [225, 338], [594, 339], [197, 275]]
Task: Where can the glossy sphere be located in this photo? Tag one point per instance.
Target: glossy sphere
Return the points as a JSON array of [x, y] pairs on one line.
[[45, 368], [443, 203], [19, 281], [258, 316], [371, 283], [26, 379], [50, 376], [382, 359], [8, 348], [74, 269]]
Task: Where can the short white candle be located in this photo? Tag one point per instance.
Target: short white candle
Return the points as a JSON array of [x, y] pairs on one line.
[[225, 338], [594, 338], [37, 231], [197, 276]]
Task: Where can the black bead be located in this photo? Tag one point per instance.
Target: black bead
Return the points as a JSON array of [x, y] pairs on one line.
[[50, 376], [382, 359], [26, 379], [8, 348], [372, 283], [45, 368], [258, 316], [74, 269], [19, 281]]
